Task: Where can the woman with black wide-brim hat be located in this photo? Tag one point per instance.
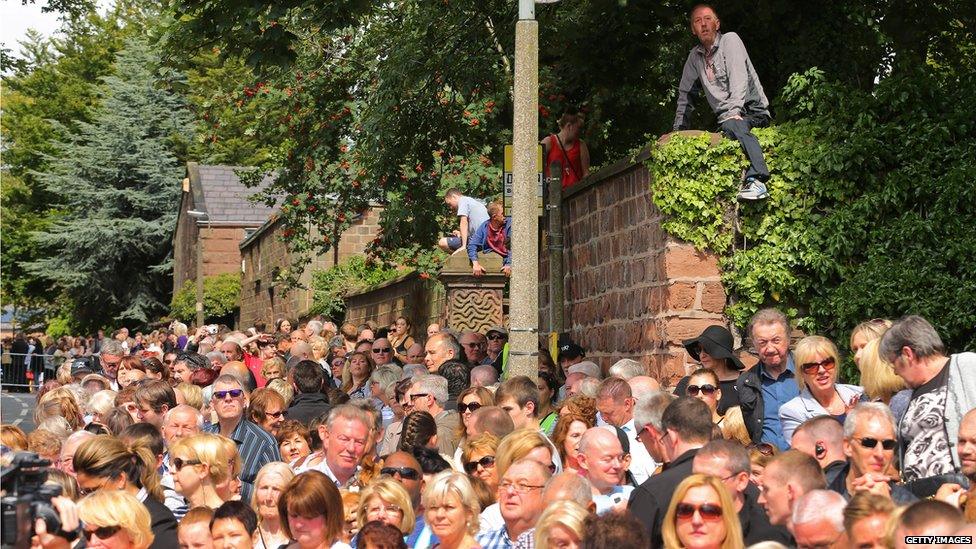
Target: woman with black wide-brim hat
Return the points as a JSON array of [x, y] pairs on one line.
[[713, 349]]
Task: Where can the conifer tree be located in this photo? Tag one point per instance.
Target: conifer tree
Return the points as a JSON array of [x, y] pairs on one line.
[[117, 183]]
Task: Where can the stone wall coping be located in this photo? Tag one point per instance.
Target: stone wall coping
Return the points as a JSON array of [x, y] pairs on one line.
[[628, 162], [409, 275]]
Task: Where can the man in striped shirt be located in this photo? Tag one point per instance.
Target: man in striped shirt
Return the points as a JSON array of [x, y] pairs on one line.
[[255, 446]]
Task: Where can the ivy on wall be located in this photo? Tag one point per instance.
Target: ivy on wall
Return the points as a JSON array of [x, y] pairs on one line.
[[871, 213], [221, 297]]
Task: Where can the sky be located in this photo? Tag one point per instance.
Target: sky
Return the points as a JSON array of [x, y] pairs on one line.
[[16, 18]]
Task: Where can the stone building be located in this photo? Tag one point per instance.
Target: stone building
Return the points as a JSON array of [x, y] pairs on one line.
[[218, 192]]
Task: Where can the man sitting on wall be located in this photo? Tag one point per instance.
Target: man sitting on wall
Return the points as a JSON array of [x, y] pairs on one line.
[[494, 235]]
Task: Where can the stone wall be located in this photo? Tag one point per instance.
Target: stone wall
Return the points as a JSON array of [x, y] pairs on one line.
[[631, 290], [264, 255], [421, 300]]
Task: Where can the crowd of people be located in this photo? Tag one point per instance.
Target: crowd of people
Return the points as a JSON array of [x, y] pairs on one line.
[[318, 436]]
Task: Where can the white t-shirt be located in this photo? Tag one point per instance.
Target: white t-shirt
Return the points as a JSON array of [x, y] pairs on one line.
[[475, 210]]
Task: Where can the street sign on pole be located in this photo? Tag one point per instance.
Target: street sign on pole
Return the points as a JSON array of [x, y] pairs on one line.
[[507, 180]]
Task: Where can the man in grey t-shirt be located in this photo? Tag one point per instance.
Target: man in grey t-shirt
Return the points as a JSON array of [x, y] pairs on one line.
[[720, 67], [472, 213]]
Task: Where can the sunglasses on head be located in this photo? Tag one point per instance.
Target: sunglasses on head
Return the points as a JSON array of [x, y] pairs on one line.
[[408, 473], [234, 393], [471, 466], [462, 408], [708, 511], [869, 442], [706, 389], [180, 463], [102, 532], [814, 367]]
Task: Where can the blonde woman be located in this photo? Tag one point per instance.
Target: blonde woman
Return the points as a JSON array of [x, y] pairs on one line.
[[273, 368], [60, 402], [114, 519], [451, 510], [192, 394], [478, 459], [560, 525], [864, 332], [817, 365], [387, 501], [268, 485], [198, 463], [880, 382], [702, 516]]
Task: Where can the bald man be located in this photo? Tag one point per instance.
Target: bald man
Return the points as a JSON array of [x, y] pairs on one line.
[[601, 461], [643, 386]]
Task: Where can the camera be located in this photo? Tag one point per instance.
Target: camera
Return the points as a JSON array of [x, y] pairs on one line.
[[212, 329], [27, 498]]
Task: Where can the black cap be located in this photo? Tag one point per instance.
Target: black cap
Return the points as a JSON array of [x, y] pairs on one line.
[[570, 350], [82, 365], [717, 342]]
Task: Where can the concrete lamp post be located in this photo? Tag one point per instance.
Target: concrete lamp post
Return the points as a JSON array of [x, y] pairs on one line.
[[200, 216], [524, 311]]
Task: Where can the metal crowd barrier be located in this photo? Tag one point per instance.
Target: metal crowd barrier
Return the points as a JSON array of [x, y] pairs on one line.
[[15, 366]]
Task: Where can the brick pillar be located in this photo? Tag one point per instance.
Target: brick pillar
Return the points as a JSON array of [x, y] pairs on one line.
[[473, 303]]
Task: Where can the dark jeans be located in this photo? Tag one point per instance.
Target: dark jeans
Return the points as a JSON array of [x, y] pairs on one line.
[[740, 131]]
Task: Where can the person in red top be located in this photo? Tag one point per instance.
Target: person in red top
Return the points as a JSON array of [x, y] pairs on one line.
[[566, 148]]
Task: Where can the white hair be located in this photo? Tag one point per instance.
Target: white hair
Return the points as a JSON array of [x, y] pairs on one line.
[[589, 386], [484, 375], [314, 326], [818, 505], [864, 410], [626, 368], [198, 417], [414, 370], [102, 402], [435, 386]]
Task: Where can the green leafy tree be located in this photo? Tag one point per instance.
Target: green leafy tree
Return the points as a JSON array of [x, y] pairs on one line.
[[221, 297], [115, 180], [48, 88]]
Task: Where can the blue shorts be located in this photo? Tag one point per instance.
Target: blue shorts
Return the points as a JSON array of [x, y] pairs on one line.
[[453, 242]]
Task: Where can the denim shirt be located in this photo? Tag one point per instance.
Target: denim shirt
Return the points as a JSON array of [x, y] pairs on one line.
[[775, 393]]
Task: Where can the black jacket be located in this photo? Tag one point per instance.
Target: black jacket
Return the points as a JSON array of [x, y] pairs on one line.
[[649, 502], [163, 525], [307, 406], [755, 523], [899, 493], [749, 388]]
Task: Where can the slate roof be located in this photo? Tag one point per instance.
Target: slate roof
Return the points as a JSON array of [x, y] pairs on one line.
[[218, 191]]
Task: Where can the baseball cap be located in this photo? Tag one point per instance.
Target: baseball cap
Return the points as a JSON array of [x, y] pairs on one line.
[[497, 329], [82, 366], [587, 368], [570, 350]]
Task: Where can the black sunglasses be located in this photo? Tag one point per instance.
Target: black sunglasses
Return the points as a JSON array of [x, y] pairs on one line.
[[462, 408], [408, 473], [496, 336], [763, 448], [276, 415], [382, 349], [103, 532], [234, 393], [706, 389], [869, 442], [179, 463], [471, 466]]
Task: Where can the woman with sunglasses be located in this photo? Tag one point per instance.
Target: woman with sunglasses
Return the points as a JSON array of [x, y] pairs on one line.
[[817, 364], [704, 385], [105, 463], [199, 463], [713, 349], [702, 516], [469, 401], [478, 459], [267, 409], [114, 519]]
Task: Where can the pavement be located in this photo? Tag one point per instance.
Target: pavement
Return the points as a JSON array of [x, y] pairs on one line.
[[18, 409]]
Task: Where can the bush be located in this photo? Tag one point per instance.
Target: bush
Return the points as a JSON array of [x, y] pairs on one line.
[[351, 276], [221, 297], [871, 210]]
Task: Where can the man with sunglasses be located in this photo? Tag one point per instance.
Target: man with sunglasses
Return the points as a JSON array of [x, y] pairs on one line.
[[255, 446], [405, 469], [430, 394], [475, 347], [382, 352], [497, 339], [869, 444]]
